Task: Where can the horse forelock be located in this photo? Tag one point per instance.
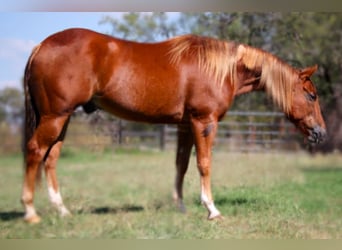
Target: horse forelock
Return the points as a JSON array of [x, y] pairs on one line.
[[214, 57], [277, 77]]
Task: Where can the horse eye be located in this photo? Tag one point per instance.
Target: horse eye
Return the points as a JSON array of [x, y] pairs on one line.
[[311, 96]]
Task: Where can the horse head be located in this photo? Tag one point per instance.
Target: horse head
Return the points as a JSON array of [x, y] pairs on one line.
[[305, 111]]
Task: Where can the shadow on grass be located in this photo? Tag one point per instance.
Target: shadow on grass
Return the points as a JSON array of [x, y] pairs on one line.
[[323, 170], [237, 201], [115, 210], [11, 215]]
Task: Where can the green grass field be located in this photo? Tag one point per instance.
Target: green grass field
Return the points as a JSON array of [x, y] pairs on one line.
[[127, 194]]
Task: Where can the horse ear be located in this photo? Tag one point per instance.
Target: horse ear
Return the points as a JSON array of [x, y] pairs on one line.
[[307, 72]]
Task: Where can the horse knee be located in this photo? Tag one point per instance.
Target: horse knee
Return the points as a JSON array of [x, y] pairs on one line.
[[204, 167], [33, 152]]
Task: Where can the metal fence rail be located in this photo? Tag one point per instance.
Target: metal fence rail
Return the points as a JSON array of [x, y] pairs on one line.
[[239, 131]]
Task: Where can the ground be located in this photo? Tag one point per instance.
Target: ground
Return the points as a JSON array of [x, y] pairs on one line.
[[128, 194]]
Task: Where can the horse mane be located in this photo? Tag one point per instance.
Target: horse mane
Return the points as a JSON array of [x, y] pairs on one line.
[[277, 77], [215, 57], [219, 59]]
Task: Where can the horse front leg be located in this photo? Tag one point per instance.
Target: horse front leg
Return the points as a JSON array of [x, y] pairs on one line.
[[184, 145], [204, 134]]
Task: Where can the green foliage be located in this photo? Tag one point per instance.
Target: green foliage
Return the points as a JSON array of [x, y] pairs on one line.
[[145, 27]]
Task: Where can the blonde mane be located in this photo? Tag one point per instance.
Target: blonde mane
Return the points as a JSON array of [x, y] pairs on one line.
[[219, 59], [215, 57]]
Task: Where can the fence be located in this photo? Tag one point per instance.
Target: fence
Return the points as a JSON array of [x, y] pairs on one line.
[[258, 131], [239, 131]]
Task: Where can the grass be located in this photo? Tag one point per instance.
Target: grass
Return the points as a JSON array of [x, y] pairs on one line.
[[127, 194]]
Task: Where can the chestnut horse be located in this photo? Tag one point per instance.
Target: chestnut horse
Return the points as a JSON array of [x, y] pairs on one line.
[[189, 80]]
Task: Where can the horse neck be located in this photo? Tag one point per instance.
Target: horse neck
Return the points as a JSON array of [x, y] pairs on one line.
[[247, 82], [259, 70]]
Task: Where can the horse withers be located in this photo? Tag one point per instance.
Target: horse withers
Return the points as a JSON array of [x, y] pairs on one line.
[[188, 80]]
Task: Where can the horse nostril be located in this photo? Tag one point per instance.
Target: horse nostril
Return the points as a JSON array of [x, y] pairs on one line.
[[319, 134]]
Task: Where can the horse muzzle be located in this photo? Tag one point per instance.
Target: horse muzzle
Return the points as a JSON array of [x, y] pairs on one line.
[[317, 135]]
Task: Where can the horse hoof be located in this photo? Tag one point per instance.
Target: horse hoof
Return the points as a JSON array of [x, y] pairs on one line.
[[65, 213], [217, 217], [182, 208], [35, 219]]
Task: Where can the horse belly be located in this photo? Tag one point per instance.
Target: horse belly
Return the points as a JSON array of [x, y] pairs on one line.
[[142, 110]]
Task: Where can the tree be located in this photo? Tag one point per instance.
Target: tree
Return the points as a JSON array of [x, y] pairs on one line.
[[144, 27], [11, 105]]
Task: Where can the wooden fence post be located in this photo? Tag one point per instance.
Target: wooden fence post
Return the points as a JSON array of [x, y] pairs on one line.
[[162, 135], [120, 129]]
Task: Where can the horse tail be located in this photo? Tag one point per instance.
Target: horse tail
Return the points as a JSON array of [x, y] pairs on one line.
[[31, 119]]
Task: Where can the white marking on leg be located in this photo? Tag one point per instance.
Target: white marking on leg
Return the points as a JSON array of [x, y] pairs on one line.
[[57, 201], [30, 212], [213, 211]]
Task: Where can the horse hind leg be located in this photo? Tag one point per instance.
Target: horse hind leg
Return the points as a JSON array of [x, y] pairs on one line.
[[184, 146], [37, 148], [51, 177]]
